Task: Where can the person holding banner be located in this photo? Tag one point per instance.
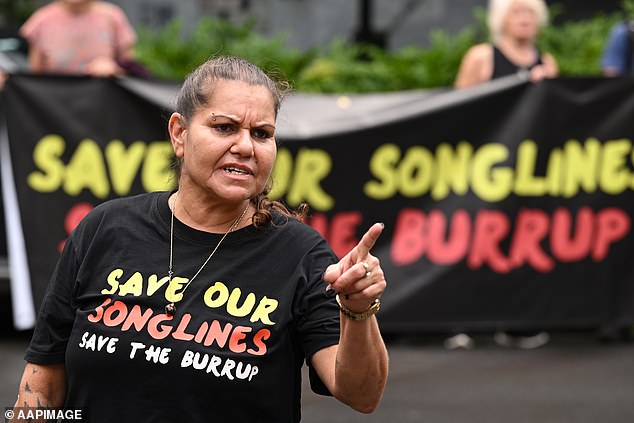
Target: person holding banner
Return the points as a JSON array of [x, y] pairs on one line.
[[514, 26], [81, 37], [204, 302]]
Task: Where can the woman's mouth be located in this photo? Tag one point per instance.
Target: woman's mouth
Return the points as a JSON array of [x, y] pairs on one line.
[[236, 171]]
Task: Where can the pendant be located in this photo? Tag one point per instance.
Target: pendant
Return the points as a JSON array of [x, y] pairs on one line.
[[170, 309]]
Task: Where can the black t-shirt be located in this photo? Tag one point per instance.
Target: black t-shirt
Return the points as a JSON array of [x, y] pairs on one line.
[[234, 348]]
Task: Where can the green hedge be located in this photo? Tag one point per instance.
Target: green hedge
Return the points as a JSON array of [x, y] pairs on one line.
[[578, 46], [344, 67]]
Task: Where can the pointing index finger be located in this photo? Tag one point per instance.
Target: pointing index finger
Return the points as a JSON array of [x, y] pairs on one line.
[[368, 240]]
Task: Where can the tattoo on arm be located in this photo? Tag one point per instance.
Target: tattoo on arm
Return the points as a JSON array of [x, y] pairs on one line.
[[38, 398], [39, 403]]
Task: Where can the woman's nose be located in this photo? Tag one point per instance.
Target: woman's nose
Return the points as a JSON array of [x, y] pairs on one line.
[[243, 144]]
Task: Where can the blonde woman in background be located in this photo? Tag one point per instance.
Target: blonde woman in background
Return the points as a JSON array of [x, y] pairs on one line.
[[514, 27]]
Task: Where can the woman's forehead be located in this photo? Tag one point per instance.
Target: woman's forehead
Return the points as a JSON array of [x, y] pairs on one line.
[[237, 93], [239, 101]]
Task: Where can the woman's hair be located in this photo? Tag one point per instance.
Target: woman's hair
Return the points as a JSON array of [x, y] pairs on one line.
[[197, 88], [498, 11], [196, 92]]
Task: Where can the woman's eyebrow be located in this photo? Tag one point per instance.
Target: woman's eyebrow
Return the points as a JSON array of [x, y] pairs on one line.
[[265, 125], [237, 121], [214, 116]]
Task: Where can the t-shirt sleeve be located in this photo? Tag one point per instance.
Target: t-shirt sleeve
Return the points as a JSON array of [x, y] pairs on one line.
[[318, 325], [30, 28], [57, 313], [125, 34]]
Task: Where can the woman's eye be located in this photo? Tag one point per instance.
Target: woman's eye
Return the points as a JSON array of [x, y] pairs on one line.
[[224, 128], [260, 134]]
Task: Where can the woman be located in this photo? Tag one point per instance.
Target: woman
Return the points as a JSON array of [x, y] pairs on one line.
[[203, 303], [80, 37], [514, 26]]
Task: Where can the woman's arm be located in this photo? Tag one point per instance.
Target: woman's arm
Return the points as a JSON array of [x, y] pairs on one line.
[[42, 386], [476, 66], [36, 59], [355, 371]]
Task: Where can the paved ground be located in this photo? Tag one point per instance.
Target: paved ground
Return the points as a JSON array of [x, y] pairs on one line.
[[573, 379]]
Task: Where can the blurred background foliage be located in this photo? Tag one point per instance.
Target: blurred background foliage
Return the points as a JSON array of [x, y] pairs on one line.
[[347, 67]]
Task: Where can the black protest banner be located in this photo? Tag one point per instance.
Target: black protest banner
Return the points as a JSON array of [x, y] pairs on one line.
[[74, 143], [509, 208]]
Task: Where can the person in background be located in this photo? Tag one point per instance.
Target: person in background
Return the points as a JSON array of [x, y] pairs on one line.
[[514, 26], [618, 55], [618, 60], [203, 303], [86, 37]]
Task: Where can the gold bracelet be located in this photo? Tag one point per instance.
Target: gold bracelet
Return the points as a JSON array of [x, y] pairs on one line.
[[374, 307]]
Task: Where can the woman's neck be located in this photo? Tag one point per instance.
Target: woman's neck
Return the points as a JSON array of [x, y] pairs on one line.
[[199, 214], [516, 44], [77, 6]]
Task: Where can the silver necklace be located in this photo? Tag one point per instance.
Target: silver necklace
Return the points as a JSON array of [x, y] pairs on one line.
[[170, 308]]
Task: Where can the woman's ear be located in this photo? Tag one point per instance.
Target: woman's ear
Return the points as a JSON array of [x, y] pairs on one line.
[[177, 130]]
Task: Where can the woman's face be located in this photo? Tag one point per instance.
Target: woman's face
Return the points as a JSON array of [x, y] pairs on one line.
[[227, 148], [521, 21]]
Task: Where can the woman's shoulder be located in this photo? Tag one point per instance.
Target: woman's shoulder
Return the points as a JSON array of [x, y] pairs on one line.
[[130, 202], [279, 220], [298, 238], [123, 209], [108, 8], [47, 9], [295, 230], [47, 13], [480, 52], [114, 215], [476, 66]]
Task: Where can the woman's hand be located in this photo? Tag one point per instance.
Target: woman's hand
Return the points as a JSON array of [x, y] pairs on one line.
[[549, 69], [538, 73], [355, 371], [358, 277], [103, 67]]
